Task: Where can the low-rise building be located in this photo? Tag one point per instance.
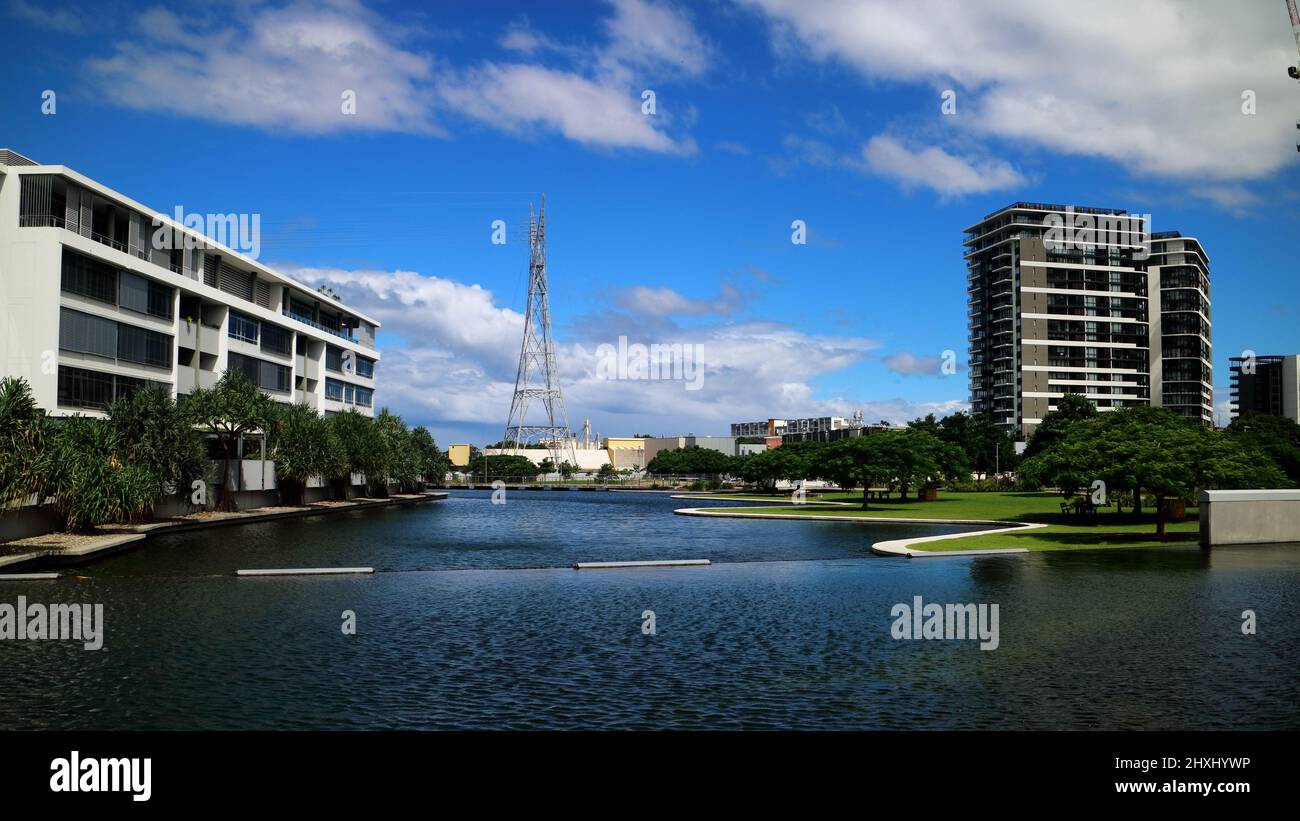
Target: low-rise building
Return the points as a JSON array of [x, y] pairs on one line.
[[100, 295]]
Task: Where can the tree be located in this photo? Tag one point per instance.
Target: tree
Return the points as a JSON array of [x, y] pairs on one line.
[[567, 469], [156, 432], [1149, 448], [363, 448], [546, 466], [433, 463], [401, 467], [304, 446], [228, 410], [23, 466], [607, 471], [502, 466], [693, 460], [860, 460], [89, 480], [1277, 436], [986, 445], [1071, 409], [792, 462]]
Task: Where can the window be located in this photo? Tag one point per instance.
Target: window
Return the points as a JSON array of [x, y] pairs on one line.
[[365, 397], [333, 359], [243, 327], [89, 278], [144, 295], [80, 388], [273, 377], [275, 339], [334, 390], [365, 367], [83, 333], [266, 375], [143, 346]]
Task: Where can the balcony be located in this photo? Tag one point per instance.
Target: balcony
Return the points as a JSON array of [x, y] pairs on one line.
[[192, 335], [185, 379], [344, 333]]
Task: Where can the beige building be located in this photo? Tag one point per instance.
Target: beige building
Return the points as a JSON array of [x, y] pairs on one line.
[[1064, 299]]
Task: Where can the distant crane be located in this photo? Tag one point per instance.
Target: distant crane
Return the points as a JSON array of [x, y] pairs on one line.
[[1294, 71]]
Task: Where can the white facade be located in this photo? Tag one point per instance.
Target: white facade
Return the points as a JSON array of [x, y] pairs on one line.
[[91, 306]]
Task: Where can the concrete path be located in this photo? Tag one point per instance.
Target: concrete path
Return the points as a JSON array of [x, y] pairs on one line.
[[893, 547]]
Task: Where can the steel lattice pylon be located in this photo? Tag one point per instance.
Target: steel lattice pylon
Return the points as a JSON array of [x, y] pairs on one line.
[[537, 377]]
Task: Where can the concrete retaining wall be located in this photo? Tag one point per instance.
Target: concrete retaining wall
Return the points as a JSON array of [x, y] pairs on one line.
[[1249, 516]]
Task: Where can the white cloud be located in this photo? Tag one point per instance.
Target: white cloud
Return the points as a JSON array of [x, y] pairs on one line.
[[932, 167], [61, 20], [648, 39], [665, 302], [1155, 86], [450, 351], [287, 68], [274, 68], [909, 364], [520, 98]]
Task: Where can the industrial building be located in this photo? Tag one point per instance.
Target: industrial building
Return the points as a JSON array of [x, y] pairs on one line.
[[779, 427]]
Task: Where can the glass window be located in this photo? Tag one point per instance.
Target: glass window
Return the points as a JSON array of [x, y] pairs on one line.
[[143, 346], [80, 388], [243, 327], [275, 339], [334, 390], [365, 367], [89, 278], [84, 333], [334, 358]]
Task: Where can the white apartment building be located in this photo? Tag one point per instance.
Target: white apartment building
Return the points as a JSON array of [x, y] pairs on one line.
[[91, 307]]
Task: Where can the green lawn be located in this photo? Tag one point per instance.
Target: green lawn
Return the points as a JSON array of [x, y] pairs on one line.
[[1063, 532]]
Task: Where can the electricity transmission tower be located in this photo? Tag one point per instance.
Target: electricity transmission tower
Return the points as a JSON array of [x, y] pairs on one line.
[[537, 377]]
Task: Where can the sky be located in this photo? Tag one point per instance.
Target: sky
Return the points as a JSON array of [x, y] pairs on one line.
[[883, 128]]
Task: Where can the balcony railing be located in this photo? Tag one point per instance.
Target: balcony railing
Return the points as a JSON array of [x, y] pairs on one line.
[[342, 334]]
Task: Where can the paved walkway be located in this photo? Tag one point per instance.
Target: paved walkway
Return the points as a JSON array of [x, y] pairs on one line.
[[893, 547], [75, 548]]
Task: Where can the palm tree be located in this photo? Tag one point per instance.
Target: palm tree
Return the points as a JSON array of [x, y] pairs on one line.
[[362, 446], [305, 446], [22, 444], [157, 433], [90, 480], [228, 410]]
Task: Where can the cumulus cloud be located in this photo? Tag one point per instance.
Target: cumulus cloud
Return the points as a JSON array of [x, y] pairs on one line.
[[932, 167], [664, 302], [450, 351], [289, 66], [518, 98], [281, 68], [907, 363], [1154, 86]]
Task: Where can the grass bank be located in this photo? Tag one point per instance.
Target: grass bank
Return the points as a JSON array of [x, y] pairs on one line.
[[1062, 532]]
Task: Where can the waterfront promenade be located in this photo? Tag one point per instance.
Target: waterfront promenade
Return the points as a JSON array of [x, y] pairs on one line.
[[60, 549]]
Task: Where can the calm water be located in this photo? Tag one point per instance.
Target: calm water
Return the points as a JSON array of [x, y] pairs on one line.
[[477, 621]]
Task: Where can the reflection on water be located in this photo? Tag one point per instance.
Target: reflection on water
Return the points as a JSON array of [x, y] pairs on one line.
[[789, 630]]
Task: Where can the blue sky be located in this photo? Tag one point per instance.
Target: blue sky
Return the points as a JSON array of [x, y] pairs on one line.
[[676, 226]]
